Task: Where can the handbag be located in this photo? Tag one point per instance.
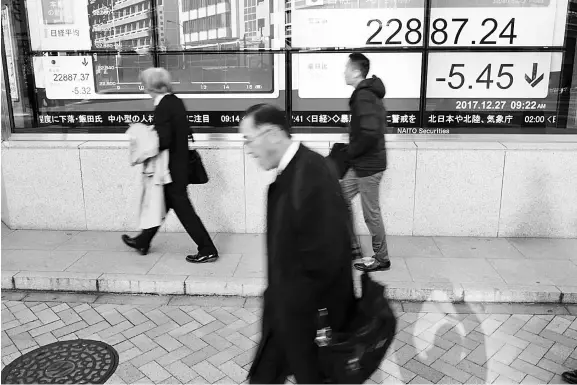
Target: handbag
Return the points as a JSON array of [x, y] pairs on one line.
[[196, 171], [351, 357], [340, 158]]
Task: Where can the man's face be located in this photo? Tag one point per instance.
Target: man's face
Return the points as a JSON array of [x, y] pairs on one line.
[[351, 74], [257, 143]]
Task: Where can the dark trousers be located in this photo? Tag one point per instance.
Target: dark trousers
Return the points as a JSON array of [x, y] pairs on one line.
[[276, 360], [368, 189], [176, 198], [271, 367]]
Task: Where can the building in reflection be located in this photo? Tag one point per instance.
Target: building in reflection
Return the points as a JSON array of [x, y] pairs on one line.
[[230, 24], [128, 25]]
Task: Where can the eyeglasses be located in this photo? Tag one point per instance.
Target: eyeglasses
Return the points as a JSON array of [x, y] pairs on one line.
[[249, 141]]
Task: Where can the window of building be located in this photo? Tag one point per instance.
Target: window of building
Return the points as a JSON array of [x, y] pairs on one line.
[[475, 67]]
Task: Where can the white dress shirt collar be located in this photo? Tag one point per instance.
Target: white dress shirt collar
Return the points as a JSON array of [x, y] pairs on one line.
[[158, 98], [288, 156]]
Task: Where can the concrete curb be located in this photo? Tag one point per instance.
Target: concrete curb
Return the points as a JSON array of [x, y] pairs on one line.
[[253, 287]]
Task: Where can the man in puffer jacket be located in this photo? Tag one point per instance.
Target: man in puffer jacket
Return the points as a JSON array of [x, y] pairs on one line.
[[367, 157]]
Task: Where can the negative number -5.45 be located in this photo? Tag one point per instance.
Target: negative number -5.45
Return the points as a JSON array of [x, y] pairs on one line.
[[457, 78]]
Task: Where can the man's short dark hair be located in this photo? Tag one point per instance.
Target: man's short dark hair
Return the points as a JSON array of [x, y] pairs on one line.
[[268, 114], [361, 62]]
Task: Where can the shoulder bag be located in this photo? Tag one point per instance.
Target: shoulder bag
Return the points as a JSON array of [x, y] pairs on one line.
[[196, 171], [353, 356], [339, 159]]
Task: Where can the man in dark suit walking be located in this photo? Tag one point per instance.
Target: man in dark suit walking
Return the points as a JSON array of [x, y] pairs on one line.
[[171, 123], [309, 251]]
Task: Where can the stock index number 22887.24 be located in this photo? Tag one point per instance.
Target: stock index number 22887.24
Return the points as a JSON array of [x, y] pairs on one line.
[[442, 31]]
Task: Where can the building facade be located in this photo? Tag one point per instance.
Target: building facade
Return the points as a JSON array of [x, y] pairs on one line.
[[128, 25], [226, 24], [481, 100]]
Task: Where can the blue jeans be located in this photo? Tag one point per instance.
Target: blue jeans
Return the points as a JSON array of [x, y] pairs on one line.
[[368, 188]]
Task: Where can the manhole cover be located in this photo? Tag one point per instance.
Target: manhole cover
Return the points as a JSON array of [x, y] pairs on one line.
[[65, 362]]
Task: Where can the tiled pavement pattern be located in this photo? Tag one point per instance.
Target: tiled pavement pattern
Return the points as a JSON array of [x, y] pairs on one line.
[[212, 339]]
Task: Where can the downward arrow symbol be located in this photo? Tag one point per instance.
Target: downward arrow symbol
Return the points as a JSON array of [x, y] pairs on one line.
[[85, 62], [534, 80]]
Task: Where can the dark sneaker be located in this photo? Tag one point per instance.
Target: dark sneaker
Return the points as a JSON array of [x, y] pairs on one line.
[[570, 377], [202, 258], [131, 242], [374, 265]]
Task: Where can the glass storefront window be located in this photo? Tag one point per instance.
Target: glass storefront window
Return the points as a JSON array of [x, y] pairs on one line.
[[450, 66], [320, 95]]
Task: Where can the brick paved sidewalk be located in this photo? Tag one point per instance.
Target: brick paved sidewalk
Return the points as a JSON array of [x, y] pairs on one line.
[[173, 340]]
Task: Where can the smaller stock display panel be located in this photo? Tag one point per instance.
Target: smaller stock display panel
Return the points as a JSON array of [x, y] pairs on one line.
[[320, 94], [103, 93], [483, 92], [100, 76], [90, 77]]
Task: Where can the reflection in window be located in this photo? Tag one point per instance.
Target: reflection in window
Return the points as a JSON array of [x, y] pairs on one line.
[[213, 23], [119, 25], [120, 73], [250, 18], [197, 26], [220, 72]]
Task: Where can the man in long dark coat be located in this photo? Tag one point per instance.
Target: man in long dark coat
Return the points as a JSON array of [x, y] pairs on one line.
[[173, 128], [309, 251]]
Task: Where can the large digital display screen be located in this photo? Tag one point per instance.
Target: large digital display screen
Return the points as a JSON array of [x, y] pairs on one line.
[[460, 66]]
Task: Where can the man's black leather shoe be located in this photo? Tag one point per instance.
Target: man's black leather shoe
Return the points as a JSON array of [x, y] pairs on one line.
[[570, 377], [202, 258], [131, 242], [375, 265]]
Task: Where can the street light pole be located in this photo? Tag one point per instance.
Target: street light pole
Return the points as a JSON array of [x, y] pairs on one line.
[[183, 32], [183, 38]]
